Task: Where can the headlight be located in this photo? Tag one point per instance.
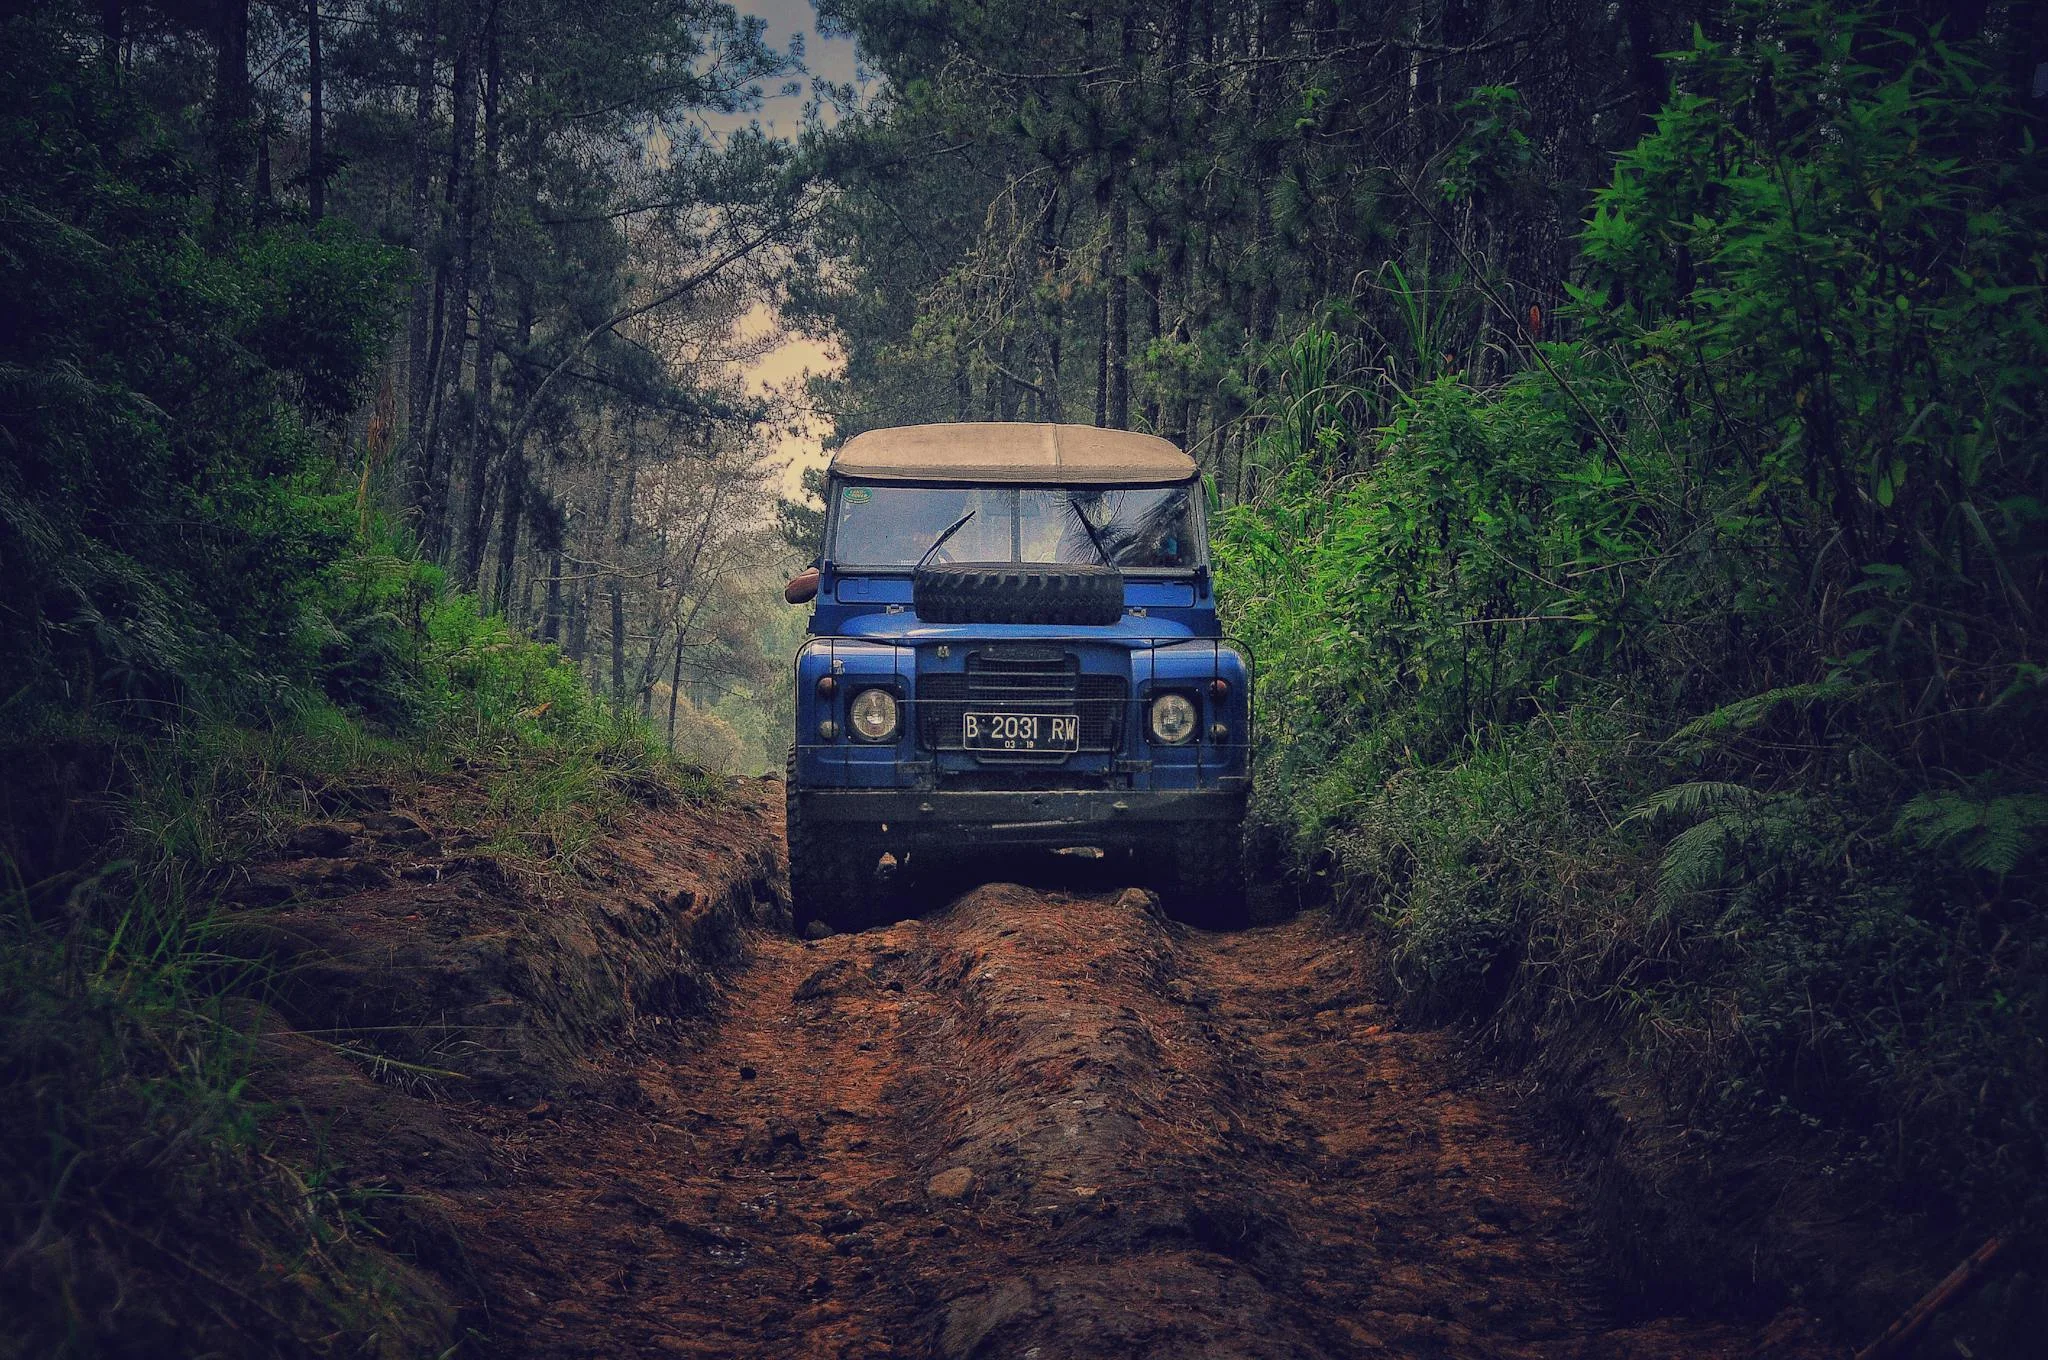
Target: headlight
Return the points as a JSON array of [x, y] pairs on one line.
[[873, 714], [1173, 719]]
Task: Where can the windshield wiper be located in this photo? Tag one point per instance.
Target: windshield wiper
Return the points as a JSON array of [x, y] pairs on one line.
[[940, 541], [1074, 504]]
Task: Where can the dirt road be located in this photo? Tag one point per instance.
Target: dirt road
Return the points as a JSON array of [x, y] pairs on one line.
[[1043, 1121]]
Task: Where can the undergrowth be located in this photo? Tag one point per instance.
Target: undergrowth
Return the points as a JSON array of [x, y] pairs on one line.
[[1672, 705], [145, 1205]]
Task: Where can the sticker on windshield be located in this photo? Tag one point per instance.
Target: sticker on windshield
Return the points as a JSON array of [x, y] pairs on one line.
[[858, 495]]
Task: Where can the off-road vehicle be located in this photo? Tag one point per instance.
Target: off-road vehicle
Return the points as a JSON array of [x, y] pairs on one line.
[[1015, 644]]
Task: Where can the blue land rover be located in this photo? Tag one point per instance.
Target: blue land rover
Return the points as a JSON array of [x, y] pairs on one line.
[[1015, 644]]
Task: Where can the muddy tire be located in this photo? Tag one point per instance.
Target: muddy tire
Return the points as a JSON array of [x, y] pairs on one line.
[[830, 877], [1199, 874]]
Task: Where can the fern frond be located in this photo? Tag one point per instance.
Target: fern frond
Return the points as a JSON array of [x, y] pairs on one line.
[[1991, 834], [1691, 800], [1744, 714], [1696, 859]]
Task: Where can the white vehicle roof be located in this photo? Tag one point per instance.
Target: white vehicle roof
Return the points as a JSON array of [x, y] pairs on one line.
[[993, 451]]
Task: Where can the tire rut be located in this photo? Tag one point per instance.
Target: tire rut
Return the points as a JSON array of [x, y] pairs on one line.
[[1046, 1123]]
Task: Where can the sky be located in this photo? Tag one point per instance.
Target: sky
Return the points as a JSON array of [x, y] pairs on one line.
[[832, 59]]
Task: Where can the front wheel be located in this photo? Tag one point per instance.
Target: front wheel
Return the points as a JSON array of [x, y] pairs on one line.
[[1199, 872], [830, 876]]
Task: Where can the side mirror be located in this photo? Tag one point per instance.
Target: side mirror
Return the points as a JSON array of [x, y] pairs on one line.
[[802, 587]]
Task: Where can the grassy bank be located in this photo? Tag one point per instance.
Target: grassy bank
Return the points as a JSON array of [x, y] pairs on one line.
[[148, 1207]]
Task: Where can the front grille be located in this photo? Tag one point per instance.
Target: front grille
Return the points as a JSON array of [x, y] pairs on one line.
[[1100, 701], [1015, 684]]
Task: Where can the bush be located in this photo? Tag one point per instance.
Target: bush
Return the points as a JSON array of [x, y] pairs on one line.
[[1682, 687]]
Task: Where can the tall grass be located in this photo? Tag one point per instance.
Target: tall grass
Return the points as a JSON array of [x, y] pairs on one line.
[[142, 1208]]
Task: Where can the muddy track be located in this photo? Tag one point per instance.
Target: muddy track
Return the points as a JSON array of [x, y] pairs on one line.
[[1041, 1122]]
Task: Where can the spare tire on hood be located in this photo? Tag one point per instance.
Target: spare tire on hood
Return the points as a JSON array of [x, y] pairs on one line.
[[985, 592]]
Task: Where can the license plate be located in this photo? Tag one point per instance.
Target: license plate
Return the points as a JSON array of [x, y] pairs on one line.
[[1021, 732]]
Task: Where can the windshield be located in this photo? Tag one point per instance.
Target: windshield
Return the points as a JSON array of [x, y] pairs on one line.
[[888, 525]]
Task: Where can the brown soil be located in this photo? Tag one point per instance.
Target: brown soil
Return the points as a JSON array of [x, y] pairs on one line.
[[1040, 1121]]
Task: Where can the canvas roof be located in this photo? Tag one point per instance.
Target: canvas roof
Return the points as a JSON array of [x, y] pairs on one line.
[[1012, 452]]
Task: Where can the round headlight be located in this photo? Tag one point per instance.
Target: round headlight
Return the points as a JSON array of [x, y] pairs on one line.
[[1173, 719], [873, 714]]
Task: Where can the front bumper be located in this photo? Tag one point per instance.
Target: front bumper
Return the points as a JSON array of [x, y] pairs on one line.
[[1056, 817]]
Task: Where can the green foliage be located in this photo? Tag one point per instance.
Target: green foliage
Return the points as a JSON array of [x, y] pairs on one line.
[[1494, 156], [1685, 680], [1993, 834], [207, 632], [801, 521], [163, 501], [126, 1042]]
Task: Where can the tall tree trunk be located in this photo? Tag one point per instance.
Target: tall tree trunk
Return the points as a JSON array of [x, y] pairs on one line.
[[644, 688], [316, 130], [481, 429], [1192, 269], [657, 624], [618, 594], [675, 683], [1102, 350], [618, 572], [1052, 321], [1149, 284], [418, 367], [584, 598], [526, 579], [579, 628], [110, 33], [1646, 71], [516, 472], [551, 606], [582, 602], [512, 483], [461, 197], [263, 196], [1119, 413], [233, 128], [1117, 339], [583, 585]]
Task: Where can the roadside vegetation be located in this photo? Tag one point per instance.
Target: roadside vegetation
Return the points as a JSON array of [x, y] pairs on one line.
[[1676, 699], [1633, 468], [236, 596]]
